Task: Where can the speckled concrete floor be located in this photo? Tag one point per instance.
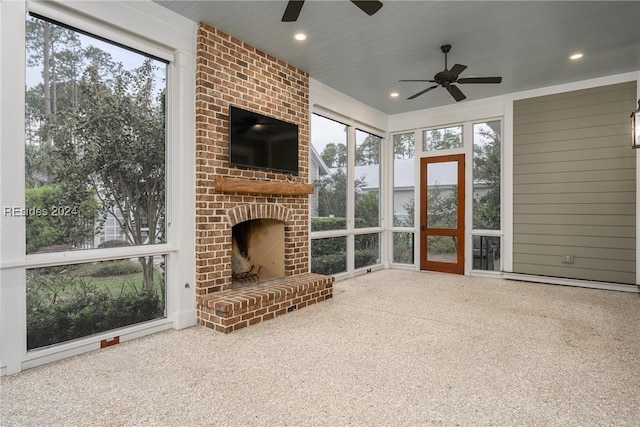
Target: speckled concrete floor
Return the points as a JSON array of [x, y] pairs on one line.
[[392, 348]]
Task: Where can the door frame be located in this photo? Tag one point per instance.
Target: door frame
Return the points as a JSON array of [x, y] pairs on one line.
[[445, 267]]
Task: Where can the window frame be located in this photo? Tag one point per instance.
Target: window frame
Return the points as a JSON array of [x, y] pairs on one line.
[[393, 229], [350, 231], [121, 24]]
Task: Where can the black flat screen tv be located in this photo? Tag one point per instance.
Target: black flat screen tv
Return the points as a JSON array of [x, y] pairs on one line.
[[262, 142]]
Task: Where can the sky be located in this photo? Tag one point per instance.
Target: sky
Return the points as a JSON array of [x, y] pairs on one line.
[[129, 59]]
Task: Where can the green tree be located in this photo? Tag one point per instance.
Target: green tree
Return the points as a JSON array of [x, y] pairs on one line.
[[367, 208], [368, 151], [115, 143], [404, 145], [334, 155], [332, 198], [442, 207], [443, 139], [94, 126], [52, 220], [332, 194], [486, 173]]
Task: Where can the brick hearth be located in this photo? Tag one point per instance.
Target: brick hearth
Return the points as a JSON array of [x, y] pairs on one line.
[[228, 311]]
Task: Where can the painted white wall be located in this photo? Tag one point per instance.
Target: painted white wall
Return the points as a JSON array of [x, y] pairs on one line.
[[325, 99], [12, 243], [150, 28]]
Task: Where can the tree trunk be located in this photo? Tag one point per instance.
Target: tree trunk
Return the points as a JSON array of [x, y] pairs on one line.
[[147, 272], [46, 59]]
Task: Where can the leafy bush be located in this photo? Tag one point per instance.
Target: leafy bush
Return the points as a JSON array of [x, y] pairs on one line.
[[61, 308], [114, 268], [329, 245], [113, 244], [59, 218], [403, 248], [329, 264], [365, 257], [54, 248], [328, 223], [329, 255]]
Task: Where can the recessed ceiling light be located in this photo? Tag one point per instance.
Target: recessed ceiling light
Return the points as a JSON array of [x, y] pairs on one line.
[[576, 55], [300, 36], [394, 94]]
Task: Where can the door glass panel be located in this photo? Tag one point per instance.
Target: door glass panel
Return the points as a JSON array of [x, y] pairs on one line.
[[442, 249], [442, 191]]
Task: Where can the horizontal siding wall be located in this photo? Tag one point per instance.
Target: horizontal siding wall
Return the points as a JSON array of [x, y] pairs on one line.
[[574, 184]]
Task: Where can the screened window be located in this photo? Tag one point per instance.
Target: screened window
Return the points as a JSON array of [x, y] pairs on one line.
[[486, 175], [367, 250], [94, 178], [329, 255], [442, 138], [328, 172], [367, 182], [404, 152], [95, 142], [487, 161]]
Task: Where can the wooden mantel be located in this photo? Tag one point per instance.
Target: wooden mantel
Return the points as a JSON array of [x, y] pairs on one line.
[[250, 186]]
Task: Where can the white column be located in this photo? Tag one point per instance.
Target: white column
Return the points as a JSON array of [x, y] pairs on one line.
[[12, 228]]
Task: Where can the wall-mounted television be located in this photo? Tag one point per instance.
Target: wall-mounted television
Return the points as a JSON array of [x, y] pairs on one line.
[[263, 142]]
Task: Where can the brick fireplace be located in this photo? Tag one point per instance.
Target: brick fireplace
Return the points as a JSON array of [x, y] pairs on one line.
[[230, 72]]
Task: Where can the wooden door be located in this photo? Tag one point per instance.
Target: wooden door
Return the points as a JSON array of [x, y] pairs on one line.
[[442, 213]]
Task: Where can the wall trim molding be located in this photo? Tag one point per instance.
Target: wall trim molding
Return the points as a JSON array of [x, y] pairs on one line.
[[572, 282]]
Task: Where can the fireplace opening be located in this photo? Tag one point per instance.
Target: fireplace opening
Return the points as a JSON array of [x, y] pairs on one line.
[[258, 251]]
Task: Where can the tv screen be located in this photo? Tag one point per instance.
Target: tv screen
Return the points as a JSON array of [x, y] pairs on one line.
[[262, 142]]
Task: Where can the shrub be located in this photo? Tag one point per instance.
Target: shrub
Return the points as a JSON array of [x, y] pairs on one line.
[[113, 244], [328, 223], [114, 268], [442, 245], [55, 248], [365, 257], [60, 309], [329, 245], [329, 264]]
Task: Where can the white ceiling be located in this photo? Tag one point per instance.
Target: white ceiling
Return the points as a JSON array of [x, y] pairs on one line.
[[526, 42]]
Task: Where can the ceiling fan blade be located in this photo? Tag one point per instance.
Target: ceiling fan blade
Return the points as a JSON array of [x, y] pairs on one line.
[[292, 11], [480, 80], [422, 92], [430, 81], [457, 69], [456, 93], [368, 7]]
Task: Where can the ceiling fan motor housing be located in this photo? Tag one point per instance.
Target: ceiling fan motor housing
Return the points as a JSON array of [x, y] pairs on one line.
[[445, 78]]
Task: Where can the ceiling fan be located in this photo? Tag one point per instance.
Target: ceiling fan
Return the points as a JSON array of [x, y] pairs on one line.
[[447, 78], [292, 11]]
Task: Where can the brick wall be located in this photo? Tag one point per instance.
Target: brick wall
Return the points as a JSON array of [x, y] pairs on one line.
[[230, 71]]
